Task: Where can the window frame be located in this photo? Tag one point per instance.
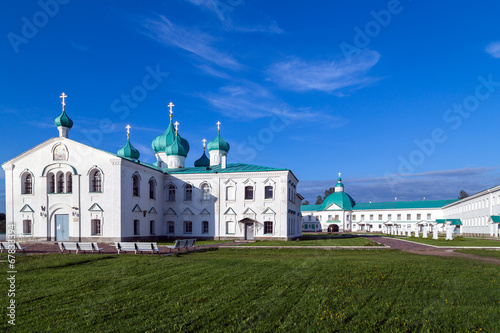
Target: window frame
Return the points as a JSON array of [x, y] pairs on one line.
[[137, 227], [249, 189], [136, 185], [266, 192], [268, 228], [188, 227], [188, 189], [205, 227], [27, 227]]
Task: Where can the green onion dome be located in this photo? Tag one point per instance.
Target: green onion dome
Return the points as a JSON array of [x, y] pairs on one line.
[[203, 161], [339, 183], [218, 144], [129, 151], [63, 120], [160, 143], [176, 148]]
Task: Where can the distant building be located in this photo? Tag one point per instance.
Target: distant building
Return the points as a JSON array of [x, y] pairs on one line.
[[478, 214], [65, 190]]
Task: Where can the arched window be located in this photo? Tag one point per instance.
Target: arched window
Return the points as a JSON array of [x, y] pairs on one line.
[[135, 185], [60, 183], [205, 192], [52, 183], [248, 192], [27, 186], [69, 183], [152, 188], [268, 227], [96, 181], [171, 193], [188, 192]]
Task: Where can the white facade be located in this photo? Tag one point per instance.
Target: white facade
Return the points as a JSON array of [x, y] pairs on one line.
[[65, 190]]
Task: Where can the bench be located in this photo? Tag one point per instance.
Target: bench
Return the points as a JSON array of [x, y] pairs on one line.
[[6, 245], [190, 243], [88, 247], [125, 246], [153, 247], [68, 246], [179, 244]]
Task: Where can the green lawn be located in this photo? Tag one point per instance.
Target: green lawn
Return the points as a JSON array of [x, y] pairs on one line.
[[254, 290], [461, 241], [482, 253], [318, 241]]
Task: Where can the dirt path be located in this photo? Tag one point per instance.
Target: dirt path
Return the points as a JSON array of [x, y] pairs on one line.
[[426, 250]]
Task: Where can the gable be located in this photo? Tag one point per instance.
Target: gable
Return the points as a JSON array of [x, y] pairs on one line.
[[137, 209], [27, 209], [170, 212], [95, 208]]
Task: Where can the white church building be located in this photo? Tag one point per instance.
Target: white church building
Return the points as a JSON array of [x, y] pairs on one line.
[[476, 215], [65, 190]]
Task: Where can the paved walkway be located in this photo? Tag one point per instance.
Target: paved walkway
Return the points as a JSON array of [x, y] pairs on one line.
[[423, 249]]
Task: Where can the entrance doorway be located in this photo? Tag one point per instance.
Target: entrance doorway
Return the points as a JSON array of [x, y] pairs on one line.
[[333, 228], [62, 227], [249, 230]]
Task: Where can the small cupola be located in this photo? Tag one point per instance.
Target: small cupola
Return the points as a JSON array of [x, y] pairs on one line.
[[176, 153], [339, 187], [203, 161], [217, 147], [128, 151], [63, 122]]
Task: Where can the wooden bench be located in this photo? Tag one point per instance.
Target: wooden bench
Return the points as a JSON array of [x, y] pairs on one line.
[[125, 246], [15, 246], [153, 247]]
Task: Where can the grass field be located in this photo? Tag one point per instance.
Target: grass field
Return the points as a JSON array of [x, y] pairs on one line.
[[319, 241], [255, 290], [461, 241], [482, 253]]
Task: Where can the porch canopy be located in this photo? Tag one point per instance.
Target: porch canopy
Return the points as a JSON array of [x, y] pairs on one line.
[[452, 221]]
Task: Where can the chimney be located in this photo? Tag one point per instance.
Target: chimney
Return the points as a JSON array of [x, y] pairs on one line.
[[223, 161]]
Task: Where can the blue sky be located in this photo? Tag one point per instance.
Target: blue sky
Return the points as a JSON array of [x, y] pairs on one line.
[[401, 97]]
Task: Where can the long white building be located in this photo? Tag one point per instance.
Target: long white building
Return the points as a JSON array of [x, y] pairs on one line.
[[65, 190], [478, 214]]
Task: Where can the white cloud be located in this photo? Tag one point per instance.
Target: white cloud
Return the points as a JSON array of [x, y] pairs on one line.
[[192, 40], [248, 100], [329, 76], [223, 10], [493, 49]]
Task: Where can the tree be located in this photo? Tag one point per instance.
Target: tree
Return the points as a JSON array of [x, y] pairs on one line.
[[319, 200], [2, 223], [306, 202], [462, 195]]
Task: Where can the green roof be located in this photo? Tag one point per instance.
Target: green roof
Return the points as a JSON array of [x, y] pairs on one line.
[[307, 208], [403, 204], [231, 167], [453, 221], [341, 199], [495, 218]]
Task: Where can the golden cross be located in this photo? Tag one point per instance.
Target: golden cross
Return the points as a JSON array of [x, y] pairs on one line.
[[204, 141], [170, 105], [176, 126], [218, 126], [339, 174], [128, 131], [63, 96]]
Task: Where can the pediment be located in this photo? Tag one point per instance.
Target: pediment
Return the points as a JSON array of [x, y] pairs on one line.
[[152, 211], [230, 211], [268, 211], [187, 211], [27, 209], [248, 211], [205, 212], [170, 212], [137, 209], [95, 208]]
